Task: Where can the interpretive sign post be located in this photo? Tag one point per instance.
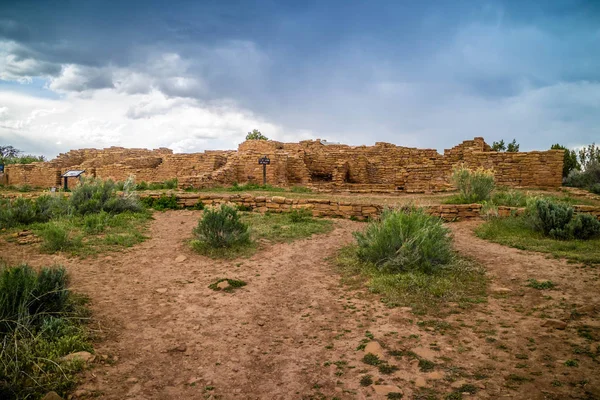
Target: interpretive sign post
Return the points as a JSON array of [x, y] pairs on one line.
[[264, 161]]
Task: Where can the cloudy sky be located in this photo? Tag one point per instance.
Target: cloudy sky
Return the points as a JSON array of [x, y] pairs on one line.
[[196, 75]]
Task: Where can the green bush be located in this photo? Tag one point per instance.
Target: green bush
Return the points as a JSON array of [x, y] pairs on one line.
[[222, 227], [161, 203], [589, 178], [142, 186], [595, 188], [404, 240], [22, 211], [584, 226], [558, 221], [57, 236], [94, 195], [300, 215], [551, 218], [199, 205], [473, 185]]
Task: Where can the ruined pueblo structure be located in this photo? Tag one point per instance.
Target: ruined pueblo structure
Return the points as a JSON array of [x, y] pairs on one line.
[[383, 167]]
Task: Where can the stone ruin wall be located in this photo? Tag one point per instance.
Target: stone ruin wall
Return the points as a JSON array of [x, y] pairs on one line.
[[383, 167]]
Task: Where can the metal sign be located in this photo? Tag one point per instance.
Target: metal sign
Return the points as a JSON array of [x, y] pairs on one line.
[[72, 174], [264, 160]]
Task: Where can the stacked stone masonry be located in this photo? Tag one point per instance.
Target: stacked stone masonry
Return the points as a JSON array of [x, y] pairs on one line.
[[383, 167]]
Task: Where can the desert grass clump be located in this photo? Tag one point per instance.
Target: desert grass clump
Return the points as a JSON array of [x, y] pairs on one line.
[[58, 236], [222, 227], [473, 185], [405, 240], [300, 215], [41, 321]]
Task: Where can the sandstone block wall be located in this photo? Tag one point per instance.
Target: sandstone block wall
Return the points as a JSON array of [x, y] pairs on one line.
[[383, 167]]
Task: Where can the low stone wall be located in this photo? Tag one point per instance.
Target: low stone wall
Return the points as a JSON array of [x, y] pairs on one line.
[[325, 207], [319, 207]]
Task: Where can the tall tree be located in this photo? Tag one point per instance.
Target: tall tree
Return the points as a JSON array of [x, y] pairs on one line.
[[570, 162]]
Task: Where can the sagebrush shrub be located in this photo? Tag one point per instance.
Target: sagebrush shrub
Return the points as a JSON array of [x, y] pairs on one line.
[[95, 195], [222, 227], [584, 226], [473, 185], [403, 240], [559, 221], [552, 218]]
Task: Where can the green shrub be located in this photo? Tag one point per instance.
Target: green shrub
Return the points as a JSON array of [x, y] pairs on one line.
[[199, 205], [300, 215], [142, 186], [595, 188], [222, 227], [403, 240], [558, 221], [584, 226], [551, 218], [170, 183], [589, 178], [57, 236], [162, 203], [95, 195], [22, 211], [473, 185]]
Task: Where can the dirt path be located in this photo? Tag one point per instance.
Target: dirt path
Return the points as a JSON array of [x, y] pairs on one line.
[[293, 331]]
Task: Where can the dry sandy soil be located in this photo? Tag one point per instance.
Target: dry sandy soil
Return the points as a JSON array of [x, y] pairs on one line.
[[293, 331]]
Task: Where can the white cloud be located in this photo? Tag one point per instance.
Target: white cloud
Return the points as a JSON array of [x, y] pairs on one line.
[[108, 117]]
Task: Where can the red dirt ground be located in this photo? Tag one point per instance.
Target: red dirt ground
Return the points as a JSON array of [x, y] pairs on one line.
[[292, 332]]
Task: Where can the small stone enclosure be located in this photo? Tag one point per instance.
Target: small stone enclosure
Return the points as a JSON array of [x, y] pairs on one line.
[[383, 167]]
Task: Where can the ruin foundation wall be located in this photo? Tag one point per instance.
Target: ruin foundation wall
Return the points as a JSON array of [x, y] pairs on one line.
[[383, 167]]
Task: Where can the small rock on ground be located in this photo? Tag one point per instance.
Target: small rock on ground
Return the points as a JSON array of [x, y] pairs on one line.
[[374, 348], [180, 259], [223, 285], [555, 323], [52, 396], [384, 390], [80, 355]]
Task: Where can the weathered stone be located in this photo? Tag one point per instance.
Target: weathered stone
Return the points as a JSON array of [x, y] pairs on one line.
[[384, 390], [223, 285], [374, 348], [52, 396], [84, 356], [555, 323], [180, 258]]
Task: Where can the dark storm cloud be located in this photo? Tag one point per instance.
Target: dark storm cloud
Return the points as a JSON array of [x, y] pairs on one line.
[[427, 73]]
